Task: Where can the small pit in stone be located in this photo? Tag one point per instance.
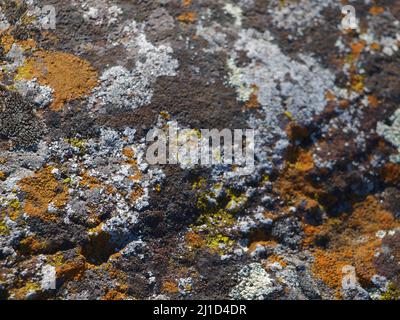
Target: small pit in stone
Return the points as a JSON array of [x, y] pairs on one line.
[[99, 248]]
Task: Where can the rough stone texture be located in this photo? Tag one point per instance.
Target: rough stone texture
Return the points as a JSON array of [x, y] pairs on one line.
[[83, 215]]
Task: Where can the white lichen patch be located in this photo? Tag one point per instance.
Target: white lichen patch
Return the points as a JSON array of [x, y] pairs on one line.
[[15, 57], [392, 134], [236, 12], [296, 86], [123, 88], [285, 87], [254, 284], [382, 34], [99, 12], [111, 171], [4, 24], [297, 16], [215, 37], [41, 95], [49, 278]]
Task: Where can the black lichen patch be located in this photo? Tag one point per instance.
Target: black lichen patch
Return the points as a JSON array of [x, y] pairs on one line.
[[18, 121]]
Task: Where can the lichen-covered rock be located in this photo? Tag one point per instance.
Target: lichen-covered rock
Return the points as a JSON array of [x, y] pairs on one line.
[[84, 214]]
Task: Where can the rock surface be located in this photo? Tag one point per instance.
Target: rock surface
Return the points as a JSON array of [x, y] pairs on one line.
[[84, 215]]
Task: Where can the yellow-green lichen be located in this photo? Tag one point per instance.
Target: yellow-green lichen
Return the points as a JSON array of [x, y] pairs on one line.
[[29, 287], [77, 143], [4, 231], [212, 228], [13, 209], [392, 293], [56, 260], [236, 201]]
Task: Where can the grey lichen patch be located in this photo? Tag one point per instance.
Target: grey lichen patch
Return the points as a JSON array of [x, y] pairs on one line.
[[41, 95], [297, 86], [18, 121], [254, 284], [392, 134], [286, 88], [298, 16], [4, 25], [123, 88], [99, 12]]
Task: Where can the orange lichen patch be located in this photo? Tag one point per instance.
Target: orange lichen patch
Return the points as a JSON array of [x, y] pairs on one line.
[[344, 104], [330, 96], [293, 185], [114, 295], [373, 101], [28, 44], [115, 256], [41, 190], [111, 190], [357, 48], [188, 17], [375, 10], [328, 267], [187, 3], [260, 237], [128, 152], [356, 79], [253, 102], [391, 173], [157, 187], [136, 194], [72, 270], [165, 115], [194, 240], [2, 176], [69, 76], [90, 182], [253, 246], [375, 46], [357, 82], [305, 161], [169, 286], [309, 232], [32, 246], [137, 173], [276, 258], [7, 42], [352, 242]]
